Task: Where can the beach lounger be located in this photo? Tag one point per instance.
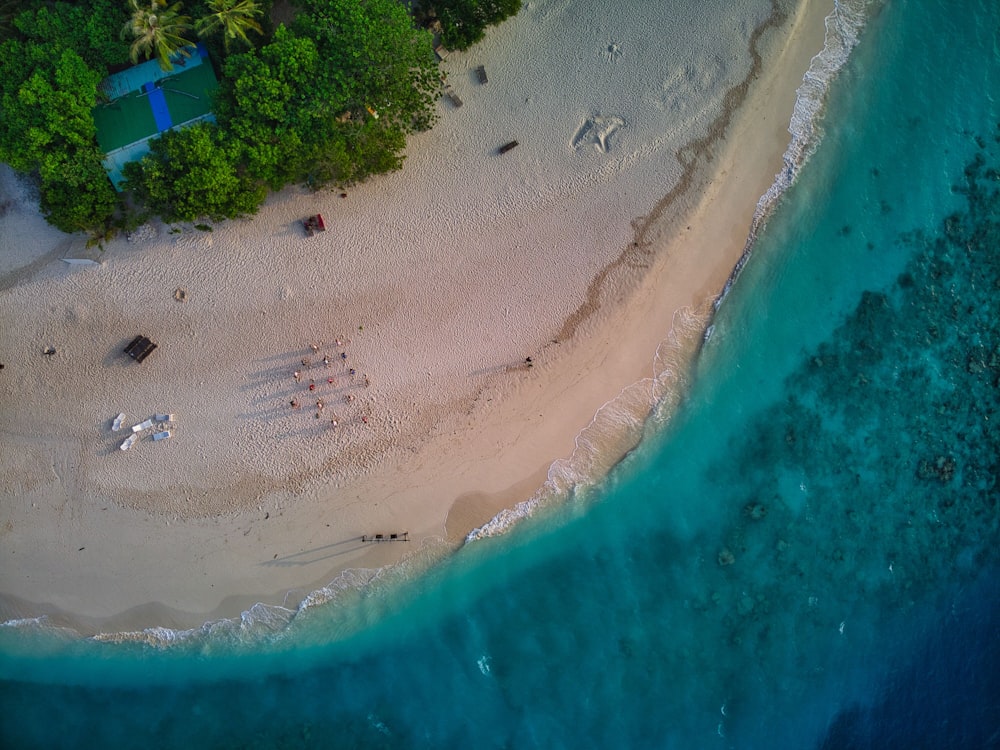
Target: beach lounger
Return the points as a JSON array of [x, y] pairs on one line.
[[506, 147], [164, 418], [128, 442], [481, 74], [441, 52], [142, 426], [453, 97], [117, 424], [162, 435]]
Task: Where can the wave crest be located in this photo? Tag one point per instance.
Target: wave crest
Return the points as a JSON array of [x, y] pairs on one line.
[[616, 429], [843, 30]]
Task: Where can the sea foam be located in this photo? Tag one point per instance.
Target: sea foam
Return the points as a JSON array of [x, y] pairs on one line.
[[616, 429], [843, 30]]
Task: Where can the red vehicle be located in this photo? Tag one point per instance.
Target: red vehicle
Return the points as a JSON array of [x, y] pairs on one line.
[[314, 224]]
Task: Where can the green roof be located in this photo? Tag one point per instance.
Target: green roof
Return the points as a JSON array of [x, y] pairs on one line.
[[146, 101]]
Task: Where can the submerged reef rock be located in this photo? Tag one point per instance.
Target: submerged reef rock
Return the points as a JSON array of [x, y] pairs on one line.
[[941, 468], [895, 421], [726, 557]]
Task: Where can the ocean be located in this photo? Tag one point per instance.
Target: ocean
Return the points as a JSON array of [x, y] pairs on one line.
[[804, 554]]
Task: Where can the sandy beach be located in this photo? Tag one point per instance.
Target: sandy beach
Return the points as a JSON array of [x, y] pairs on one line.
[[595, 247]]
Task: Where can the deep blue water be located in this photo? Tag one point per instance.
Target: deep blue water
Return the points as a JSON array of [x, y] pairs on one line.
[[806, 555]]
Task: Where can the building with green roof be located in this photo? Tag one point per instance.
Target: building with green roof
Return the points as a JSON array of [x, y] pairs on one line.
[[144, 101]]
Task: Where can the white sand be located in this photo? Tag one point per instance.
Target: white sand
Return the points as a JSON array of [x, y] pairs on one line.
[[439, 280]]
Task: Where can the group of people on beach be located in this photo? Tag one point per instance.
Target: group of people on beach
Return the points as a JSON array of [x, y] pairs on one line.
[[327, 361]]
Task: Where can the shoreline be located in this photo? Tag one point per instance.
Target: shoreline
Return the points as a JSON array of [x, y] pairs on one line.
[[485, 452]]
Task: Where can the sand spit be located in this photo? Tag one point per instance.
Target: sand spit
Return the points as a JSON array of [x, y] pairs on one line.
[[645, 137]]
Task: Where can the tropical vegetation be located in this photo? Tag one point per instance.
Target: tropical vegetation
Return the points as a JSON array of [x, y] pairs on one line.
[[156, 28], [328, 99], [234, 18], [463, 22]]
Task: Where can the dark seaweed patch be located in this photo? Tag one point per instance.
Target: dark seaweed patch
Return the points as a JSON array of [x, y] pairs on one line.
[[893, 421]]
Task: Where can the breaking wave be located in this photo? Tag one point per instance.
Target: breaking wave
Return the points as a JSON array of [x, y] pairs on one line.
[[843, 30], [616, 429]]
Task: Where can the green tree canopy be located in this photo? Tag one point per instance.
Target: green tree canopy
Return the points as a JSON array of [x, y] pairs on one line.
[[376, 55], [463, 22], [333, 100], [47, 127], [190, 173], [157, 29], [89, 28], [270, 103], [353, 151], [8, 11], [234, 18]]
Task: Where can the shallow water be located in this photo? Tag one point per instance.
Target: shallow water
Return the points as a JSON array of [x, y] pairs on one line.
[[807, 554]]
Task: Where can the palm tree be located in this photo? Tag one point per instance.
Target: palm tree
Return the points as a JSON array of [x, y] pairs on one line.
[[8, 10], [233, 17], [157, 30]]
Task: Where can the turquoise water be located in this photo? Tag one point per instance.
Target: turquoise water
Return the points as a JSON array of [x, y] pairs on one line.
[[807, 555]]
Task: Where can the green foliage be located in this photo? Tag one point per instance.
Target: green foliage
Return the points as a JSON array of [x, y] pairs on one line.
[[47, 127], [51, 115], [87, 203], [89, 28], [463, 22], [333, 101], [352, 152], [234, 18], [377, 57], [157, 29], [189, 173], [49, 71], [270, 103]]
